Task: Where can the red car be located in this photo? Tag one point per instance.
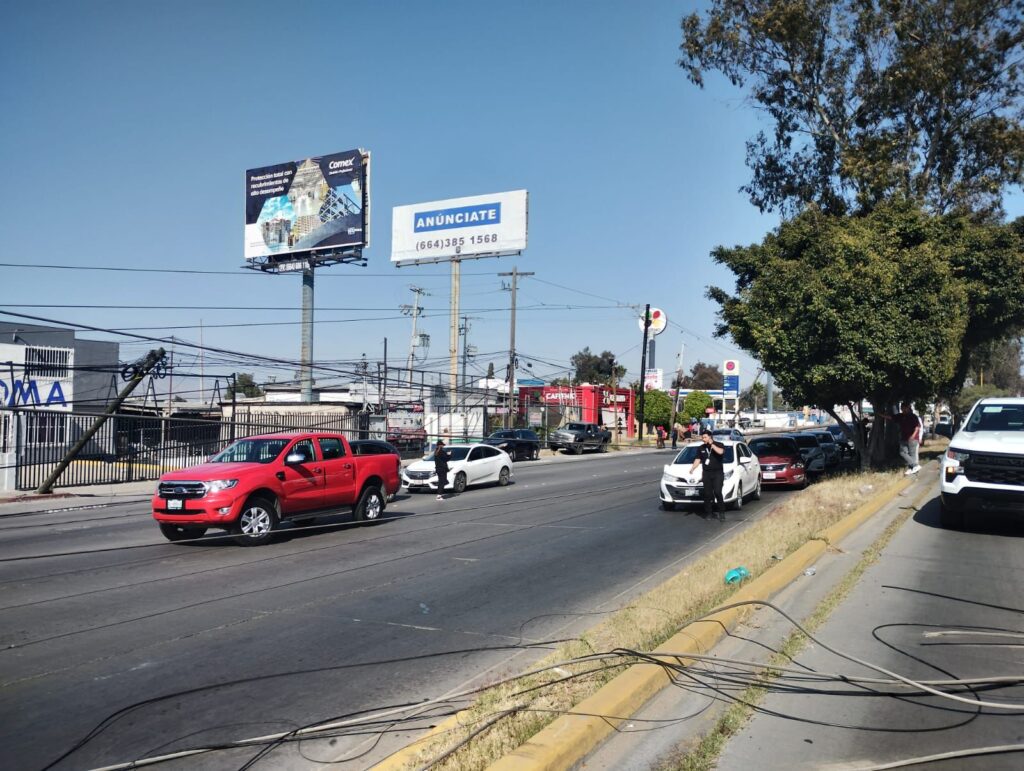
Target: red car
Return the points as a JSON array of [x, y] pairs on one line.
[[781, 461], [257, 482]]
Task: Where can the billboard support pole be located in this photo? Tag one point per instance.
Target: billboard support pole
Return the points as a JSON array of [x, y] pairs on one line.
[[306, 376], [643, 367]]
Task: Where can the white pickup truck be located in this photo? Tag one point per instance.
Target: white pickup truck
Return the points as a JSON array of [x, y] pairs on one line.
[[983, 468]]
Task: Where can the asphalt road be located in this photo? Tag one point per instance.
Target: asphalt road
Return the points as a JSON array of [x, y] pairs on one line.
[[939, 604], [125, 646]]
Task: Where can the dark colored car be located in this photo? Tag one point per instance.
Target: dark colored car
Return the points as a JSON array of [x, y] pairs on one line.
[[839, 437], [519, 443], [810, 448], [833, 453], [781, 461], [372, 447]]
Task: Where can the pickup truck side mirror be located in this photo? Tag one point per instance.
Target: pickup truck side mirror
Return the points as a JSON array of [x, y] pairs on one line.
[[295, 459]]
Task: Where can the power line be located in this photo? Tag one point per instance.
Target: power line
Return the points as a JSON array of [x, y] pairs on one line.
[[191, 271]]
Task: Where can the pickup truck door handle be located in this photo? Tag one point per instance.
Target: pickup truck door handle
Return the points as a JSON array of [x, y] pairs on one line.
[[348, 465], [318, 471]]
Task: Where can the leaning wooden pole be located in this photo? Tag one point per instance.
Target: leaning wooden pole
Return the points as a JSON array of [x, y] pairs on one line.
[[139, 371]]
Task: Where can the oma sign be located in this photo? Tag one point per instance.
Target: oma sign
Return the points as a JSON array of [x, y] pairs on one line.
[[27, 393]]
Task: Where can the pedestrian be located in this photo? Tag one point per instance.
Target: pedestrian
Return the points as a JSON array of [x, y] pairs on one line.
[[441, 468], [910, 436], [661, 437], [709, 458], [677, 434]]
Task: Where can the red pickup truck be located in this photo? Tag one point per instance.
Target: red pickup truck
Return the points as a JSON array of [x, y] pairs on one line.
[[257, 482]]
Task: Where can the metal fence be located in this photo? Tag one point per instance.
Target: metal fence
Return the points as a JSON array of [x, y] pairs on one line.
[[132, 447]]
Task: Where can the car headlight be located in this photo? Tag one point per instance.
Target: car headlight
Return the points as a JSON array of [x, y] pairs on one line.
[[220, 484], [669, 478], [797, 465], [729, 473], [957, 455]]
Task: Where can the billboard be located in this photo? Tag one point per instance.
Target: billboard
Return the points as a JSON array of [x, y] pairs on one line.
[[459, 228], [658, 322], [300, 206]]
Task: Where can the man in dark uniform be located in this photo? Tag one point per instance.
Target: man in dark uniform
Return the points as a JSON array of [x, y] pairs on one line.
[[709, 458], [441, 468]]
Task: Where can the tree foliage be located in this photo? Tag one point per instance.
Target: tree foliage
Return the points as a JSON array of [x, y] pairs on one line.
[[871, 99], [695, 405], [753, 397], [702, 376], [657, 408], [245, 385], [596, 368]]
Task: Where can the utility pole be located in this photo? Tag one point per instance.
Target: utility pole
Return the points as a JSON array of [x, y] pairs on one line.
[[510, 420], [134, 374], [679, 378], [413, 310], [643, 368], [202, 380], [453, 334]]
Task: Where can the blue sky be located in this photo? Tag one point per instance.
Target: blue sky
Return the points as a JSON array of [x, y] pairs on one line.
[[127, 128]]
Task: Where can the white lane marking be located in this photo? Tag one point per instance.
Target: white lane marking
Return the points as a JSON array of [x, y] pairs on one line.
[[413, 626], [465, 559]]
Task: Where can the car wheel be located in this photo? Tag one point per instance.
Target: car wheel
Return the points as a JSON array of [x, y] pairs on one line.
[[503, 476], [178, 533], [738, 503], [370, 506], [535, 453], [665, 506], [757, 490], [951, 517], [459, 485], [256, 523]]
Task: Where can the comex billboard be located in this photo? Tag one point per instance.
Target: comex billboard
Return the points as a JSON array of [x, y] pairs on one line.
[[312, 204], [460, 228]]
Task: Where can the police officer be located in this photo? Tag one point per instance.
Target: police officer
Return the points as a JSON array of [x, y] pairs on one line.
[[709, 458]]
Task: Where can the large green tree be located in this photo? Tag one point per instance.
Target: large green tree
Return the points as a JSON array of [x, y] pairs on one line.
[[245, 385], [657, 408], [695, 404], [704, 377], [596, 368], [869, 99]]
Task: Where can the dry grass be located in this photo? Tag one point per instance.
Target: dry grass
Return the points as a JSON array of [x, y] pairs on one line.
[[537, 700]]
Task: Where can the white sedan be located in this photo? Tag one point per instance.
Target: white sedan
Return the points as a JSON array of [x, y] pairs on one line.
[[468, 464], [742, 477]]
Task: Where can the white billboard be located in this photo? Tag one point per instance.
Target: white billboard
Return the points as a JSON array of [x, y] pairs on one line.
[[460, 228]]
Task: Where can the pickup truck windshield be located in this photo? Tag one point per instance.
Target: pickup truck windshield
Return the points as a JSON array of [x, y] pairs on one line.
[[997, 417], [576, 427], [251, 451]]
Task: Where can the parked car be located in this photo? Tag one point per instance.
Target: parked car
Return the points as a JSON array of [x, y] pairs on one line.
[[814, 456], [257, 482], [519, 443], [733, 434], [742, 477], [781, 461], [576, 437], [983, 467], [468, 464], [846, 446], [833, 454]]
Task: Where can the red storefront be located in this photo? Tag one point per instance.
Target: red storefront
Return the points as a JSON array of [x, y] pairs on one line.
[[586, 403]]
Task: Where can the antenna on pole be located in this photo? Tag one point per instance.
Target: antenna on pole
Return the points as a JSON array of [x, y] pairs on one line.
[[413, 310]]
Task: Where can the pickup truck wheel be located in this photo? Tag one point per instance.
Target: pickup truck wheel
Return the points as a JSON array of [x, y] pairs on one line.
[[503, 476], [178, 533], [256, 523], [371, 505], [459, 485], [604, 446], [577, 449]]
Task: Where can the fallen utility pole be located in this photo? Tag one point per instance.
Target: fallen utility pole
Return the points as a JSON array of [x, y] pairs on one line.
[[138, 372]]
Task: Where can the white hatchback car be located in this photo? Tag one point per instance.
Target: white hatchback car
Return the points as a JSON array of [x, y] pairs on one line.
[[468, 464], [742, 477]]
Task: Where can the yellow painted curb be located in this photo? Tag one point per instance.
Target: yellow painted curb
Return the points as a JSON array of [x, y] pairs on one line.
[[572, 736]]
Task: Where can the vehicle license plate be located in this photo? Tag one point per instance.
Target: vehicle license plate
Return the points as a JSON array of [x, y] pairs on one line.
[[691, 493], [768, 475], [174, 503]]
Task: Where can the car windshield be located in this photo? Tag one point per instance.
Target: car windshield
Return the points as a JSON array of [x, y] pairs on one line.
[[251, 451], [773, 447], [689, 455], [805, 440], [454, 453], [503, 435], [826, 437], [575, 427], [996, 417]]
